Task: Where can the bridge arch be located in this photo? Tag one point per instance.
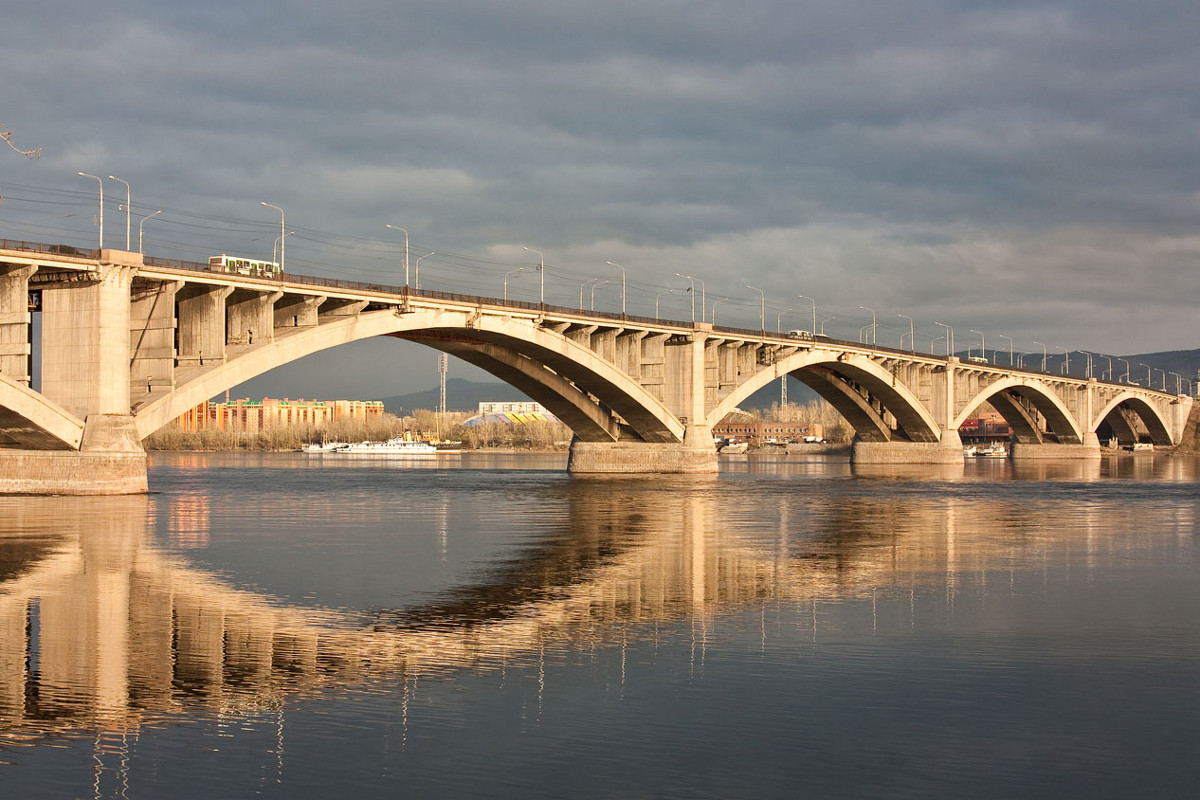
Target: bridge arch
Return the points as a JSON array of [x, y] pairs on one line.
[[30, 420], [1003, 395], [590, 395], [837, 378], [1156, 425]]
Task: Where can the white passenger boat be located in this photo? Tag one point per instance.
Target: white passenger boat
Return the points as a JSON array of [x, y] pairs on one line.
[[324, 447], [397, 446]]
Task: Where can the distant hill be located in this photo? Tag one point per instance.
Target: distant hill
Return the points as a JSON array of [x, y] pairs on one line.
[[464, 395]]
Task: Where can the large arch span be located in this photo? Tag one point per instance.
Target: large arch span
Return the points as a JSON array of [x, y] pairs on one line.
[[842, 379], [598, 401]]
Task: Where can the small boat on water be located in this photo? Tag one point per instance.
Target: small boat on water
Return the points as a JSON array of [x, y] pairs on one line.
[[397, 446], [993, 451], [323, 447], [735, 448]]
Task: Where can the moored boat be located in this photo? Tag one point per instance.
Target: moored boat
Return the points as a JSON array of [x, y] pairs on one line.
[[397, 446]]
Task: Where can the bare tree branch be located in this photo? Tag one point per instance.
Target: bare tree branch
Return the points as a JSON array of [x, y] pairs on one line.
[[6, 135]]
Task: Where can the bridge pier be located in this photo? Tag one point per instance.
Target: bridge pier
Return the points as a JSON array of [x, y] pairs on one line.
[[1052, 451], [696, 454], [110, 460], [947, 451]]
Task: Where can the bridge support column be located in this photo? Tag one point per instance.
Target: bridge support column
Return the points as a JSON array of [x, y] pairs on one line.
[[947, 451], [15, 345], [110, 460], [1052, 451], [694, 455]]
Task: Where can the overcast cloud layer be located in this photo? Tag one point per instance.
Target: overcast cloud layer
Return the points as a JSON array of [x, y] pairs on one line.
[[1027, 169]]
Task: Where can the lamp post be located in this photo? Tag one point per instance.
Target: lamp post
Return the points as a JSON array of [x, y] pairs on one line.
[[912, 342], [541, 274], [417, 270], [1108, 371], [716, 303], [762, 309], [402, 230], [581, 287], [128, 206], [864, 308], [1088, 369], [814, 311], [934, 341], [779, 319], [1125, 377], [949, 337], [618, 266], [282, 236], [691, 289], [1149, 378], [703, 300], [1010, 347], [1066, 367], [827, 319], [101, 218], [592, 302], [656, 299], [275, 248], [1043, 355], [1164, 377], [510, 272], [982, 344], [1178, 380], [143, 222]]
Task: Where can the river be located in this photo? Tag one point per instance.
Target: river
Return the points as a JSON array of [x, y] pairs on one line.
[[283, 625]]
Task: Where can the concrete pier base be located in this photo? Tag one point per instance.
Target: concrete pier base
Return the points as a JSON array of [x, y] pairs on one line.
[[110, 460], [71, 472], [631, 458], [1089, 450], [947, 451]]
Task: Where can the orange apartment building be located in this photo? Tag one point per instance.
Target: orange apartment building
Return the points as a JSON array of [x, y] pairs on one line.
[[251, 416]]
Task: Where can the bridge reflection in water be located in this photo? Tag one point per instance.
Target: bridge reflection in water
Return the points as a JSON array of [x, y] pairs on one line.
[[103, 629]]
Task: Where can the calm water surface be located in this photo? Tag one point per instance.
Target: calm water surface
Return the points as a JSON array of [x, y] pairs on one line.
[[487, 626]]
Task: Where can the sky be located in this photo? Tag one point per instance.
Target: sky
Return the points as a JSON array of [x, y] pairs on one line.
[[1023, 170]]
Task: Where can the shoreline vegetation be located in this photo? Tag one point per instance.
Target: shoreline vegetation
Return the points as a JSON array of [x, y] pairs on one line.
[[535, 436]]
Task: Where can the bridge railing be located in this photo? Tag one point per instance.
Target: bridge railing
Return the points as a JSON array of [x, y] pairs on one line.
[[54, 249]]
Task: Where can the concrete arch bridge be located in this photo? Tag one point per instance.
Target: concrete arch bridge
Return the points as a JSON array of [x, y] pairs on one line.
[[128, 344]]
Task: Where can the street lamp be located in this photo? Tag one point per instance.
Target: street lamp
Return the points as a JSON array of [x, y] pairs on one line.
[[1178, 379], [128, 203], [912, 342], [402, 230], [581, 287], [1043, 355], [814, 311], [656, 299], [282, 236], [541, 274], [1164, 377], [982, 344], [827, 319], [1088, 372], [1066, 367], [1149, 378], [618, 266], [510, 272], [949, 337], [692, 290], [143, 222], [864, 308], [417, 270], [1010, 347], [1108, 371], [276, 246], [716, 303], [1125, 377], [779, 319], [592, 302], [97, 177], [762, 310], [934, 342]]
